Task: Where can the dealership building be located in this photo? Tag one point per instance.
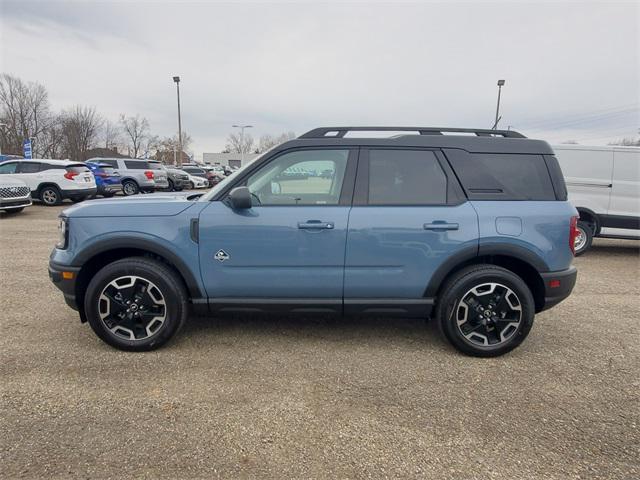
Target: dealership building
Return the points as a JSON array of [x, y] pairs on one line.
[[228, 159]]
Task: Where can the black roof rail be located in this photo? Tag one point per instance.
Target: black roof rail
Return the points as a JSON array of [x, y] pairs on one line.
[[340, 132]]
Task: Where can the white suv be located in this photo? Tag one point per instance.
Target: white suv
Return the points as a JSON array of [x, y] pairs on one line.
[[53, 180]]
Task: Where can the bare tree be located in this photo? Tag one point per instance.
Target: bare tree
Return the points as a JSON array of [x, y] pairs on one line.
[[80, 131], [267, 142], [167, 148], [627, 142], [111, 134], [24, 109], [136, 130], [237, 143], [52, 141]]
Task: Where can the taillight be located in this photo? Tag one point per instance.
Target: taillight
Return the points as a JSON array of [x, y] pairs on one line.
[[573, 234], [148, 174], [70, 175]]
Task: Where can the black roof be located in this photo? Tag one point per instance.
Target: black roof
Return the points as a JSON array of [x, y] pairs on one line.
[[469, 139]]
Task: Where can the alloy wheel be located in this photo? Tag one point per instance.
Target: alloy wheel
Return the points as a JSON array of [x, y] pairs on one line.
[[132, 307], [581, 239], [489, 314], [129, 188], [49, 196]]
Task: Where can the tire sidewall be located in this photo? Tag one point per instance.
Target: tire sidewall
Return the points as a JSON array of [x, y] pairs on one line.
[[465, 283], [174, 296], [58, 199]]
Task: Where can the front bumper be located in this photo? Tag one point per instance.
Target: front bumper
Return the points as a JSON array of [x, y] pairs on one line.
[[64, 277], [558, 286], [11, 203]]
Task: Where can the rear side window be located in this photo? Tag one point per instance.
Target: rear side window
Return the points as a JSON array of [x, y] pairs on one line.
[[137, 165], [29, 167], [406, 177], [489, 176]]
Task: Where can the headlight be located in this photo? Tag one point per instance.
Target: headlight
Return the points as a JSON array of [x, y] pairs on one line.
[[63, 233]]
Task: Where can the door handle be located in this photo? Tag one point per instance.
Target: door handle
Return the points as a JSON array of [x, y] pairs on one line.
[[440, 225], [315, 225]]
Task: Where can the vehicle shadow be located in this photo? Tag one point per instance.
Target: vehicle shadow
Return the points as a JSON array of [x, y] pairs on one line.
[[272, 327], [631, 247]]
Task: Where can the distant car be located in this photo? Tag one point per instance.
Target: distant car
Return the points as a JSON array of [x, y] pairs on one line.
[[212, 178], [197, 182], [108, 181], [137, 174], [14, 194], [52, 181], [178, 180]]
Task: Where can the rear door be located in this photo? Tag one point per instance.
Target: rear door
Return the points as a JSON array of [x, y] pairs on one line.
[[409, 217], [30, 173]]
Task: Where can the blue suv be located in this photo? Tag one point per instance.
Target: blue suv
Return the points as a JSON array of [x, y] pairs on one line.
[[108, 181], [469, 227]]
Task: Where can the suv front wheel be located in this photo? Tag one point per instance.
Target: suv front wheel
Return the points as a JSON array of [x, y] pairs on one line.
[[136, 304], [485, 310]]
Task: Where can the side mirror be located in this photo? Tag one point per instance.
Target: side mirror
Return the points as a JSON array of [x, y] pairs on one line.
[[240, 198]]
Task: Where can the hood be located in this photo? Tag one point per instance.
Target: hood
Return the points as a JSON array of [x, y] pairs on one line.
[[9, 181], [148, 205]]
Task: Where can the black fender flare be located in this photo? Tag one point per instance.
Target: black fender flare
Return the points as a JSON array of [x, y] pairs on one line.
[[469, 253], [147, 243]]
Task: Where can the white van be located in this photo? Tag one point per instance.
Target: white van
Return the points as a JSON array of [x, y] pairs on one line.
[[604, 185]]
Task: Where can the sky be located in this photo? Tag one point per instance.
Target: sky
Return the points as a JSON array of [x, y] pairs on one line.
[[572, 69]]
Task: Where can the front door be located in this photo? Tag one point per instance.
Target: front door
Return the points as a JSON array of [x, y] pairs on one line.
[[409, 217], [288, 249]]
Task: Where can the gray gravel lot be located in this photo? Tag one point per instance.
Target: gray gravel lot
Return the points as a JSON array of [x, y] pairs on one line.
[[255, 397]]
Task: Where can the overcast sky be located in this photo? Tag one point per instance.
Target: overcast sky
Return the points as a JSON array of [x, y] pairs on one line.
[[571, 69]]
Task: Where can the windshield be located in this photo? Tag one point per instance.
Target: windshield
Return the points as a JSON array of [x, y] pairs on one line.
[[214, 191]]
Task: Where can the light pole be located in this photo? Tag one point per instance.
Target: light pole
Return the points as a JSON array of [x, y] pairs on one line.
[[179, 162], [500, 84], [242, 127], [2, 125]]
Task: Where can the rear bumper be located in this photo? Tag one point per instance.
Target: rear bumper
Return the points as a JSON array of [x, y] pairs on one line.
[[66, 285], [115, 188], [79, 193], [558, 286]]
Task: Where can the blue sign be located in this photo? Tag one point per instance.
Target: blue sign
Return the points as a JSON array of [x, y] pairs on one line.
[[26, 148]]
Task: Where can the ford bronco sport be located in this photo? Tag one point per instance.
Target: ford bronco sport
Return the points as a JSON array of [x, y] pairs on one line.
[[470, 227]]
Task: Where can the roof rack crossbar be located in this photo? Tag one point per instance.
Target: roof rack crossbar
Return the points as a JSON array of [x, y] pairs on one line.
[[340, 132]]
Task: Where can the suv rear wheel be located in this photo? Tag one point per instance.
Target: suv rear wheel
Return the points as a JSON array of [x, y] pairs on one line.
[[50, 196], [485, 310], [129, 187], [136, 304]]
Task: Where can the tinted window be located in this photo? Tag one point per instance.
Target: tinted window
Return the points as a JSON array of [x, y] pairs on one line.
[[113, 163], [77, 169], [504, 176], [137, 165], [29, 167], [8, 167], [406, 177], [306, 177]]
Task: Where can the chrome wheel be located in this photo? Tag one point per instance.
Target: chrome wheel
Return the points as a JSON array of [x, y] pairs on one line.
[[488, 315], [132, 308], [49, 196], [580, 240], [129, 188]]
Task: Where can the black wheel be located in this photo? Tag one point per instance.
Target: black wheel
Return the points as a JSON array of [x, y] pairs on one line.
[[584, 238], [108, 194], [14, 210], [136, 304], [50, 196], [191, 186], [78, 199], [129, 187], [485, 310], [172, 187]]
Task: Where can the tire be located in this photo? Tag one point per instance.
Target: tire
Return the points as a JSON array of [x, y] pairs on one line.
[[163, 298], [129, 187], [78, 199], [191, 186], [465, 318], [13, 210], [172, 187], [50, 196], [584, 238], [108, 195]]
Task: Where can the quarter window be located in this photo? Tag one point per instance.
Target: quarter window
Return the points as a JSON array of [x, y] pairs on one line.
[[406, 177], [137, 165], [304, 177]]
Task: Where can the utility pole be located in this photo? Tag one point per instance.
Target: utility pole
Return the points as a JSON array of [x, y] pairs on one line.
[[500, 84], [242, 127], [179, 164], [2, 126]]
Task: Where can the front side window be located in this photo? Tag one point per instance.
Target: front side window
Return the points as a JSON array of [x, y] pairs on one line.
[[8, 168], [406, 177], [305, 177]]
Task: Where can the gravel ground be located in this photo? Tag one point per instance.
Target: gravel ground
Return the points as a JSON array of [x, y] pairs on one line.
[[253, 397]]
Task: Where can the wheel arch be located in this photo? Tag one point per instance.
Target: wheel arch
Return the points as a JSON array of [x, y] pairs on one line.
[[589, 215], [526, 265], [47, 184], [99, 255]]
